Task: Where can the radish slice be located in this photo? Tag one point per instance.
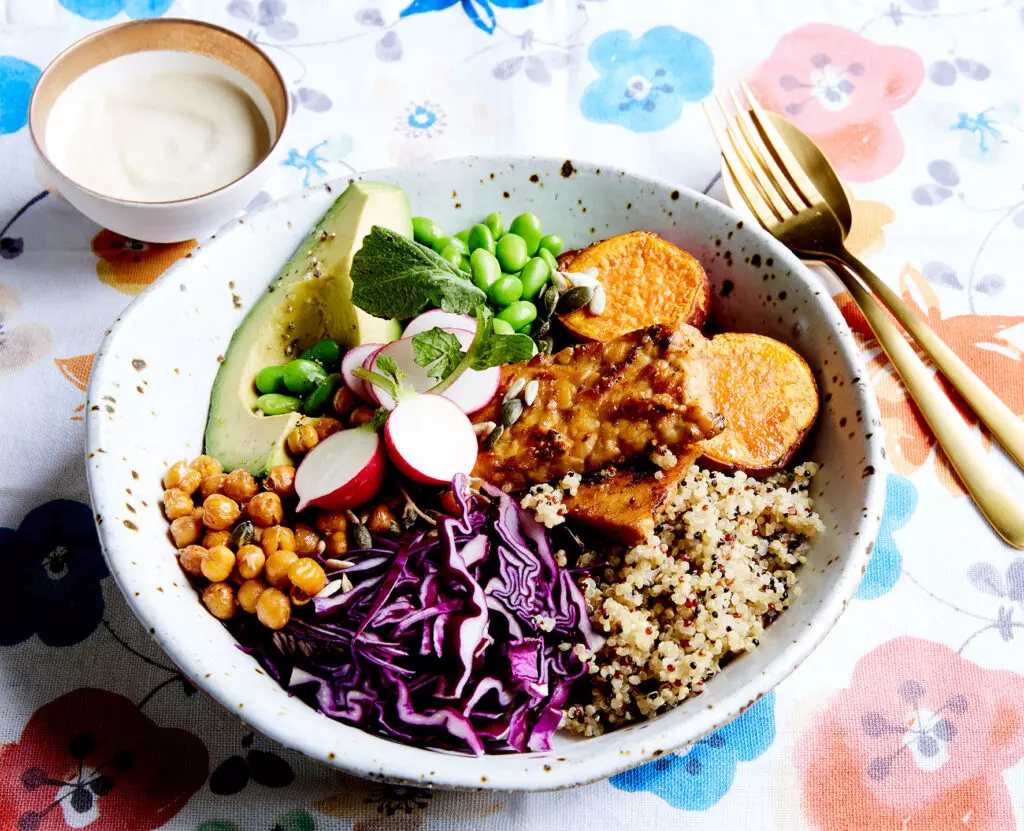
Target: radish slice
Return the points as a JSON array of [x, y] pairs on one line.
[[371, 390], [353, 359], [438, 319], [343, 471], [429, 439]]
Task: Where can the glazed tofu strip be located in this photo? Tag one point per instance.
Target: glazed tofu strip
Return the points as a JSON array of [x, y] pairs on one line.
[[602, 403]]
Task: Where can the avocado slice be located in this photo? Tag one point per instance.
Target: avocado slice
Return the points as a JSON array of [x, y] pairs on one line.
[[309, 299]]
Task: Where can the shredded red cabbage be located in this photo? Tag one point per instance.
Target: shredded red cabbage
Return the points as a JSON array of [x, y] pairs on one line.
[[460, 638]]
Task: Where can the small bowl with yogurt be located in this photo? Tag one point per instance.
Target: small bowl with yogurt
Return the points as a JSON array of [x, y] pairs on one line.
[[160, 130]]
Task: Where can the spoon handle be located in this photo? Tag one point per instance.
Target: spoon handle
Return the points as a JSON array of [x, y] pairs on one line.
[[1001, 421], [996, 501]]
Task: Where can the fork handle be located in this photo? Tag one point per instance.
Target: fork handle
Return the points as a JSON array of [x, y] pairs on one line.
[[974, 467], [1001, 421]]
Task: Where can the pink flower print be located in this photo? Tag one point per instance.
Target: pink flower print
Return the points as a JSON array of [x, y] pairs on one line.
[[841, 89]]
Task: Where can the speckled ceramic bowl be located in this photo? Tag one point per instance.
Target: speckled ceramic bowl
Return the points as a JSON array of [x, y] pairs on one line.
[[150, 389]]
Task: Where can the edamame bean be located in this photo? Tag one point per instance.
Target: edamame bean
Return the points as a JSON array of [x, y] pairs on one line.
[[463, 237], [274, 403], [480, 236], [444, 242], [322, 395], [425, 231], [549, 258], [505, 291], [503, 328], [511, 252], [271, 379], [552, 243], [529, 228], [325, 352], [496, 224], [456, 257], [519, 315], [485, 268], [301, 376], [534, 275]]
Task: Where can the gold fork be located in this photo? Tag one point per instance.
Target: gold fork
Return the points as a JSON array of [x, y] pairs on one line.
[[779, 192]]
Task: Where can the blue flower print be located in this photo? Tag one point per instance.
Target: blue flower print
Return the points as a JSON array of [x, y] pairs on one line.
[[106, 9], [699, 779], [886, 562], [644, 81], [17, 78], [308, 162], [479, 11], [54, 568]]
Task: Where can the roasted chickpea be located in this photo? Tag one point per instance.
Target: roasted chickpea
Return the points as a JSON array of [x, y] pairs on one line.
[[450, 505], [174, 474], [214, 538], [281, 480], [265, 509], [277, 538], [220, 512], [206, 465], [250, 559], [185, 530], [177, 503], [248, 594], [307, 541], [219, 598], [382, 521], [326, 426], [359, 416], [212, 484], [344, 401], [298, 597], [218, 563], [307, 575], [191, 558], [329, 521], [276, 568], [273, 608], [240, 485], [337, 544], [190, 481], [302, 439]]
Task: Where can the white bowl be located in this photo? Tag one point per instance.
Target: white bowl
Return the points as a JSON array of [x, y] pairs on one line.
[[150, 389], [151, 46]]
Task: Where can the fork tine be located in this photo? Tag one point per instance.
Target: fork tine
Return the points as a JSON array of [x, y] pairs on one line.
[[763, 155], [744, 183], [783, 155]]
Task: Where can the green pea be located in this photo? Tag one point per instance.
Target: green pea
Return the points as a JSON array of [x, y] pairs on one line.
[[534, 275], [549, 258], [501, 327], [319, 398], [480, 236], [485, 268], [301, 376], [506, 290], [552, 243], [463, 237], [519, 314], [274, 403], [496, 224], [511, 252], [529, 228], [271, 379], [456, 257], [444, 242], [425, 231], [326, 352]]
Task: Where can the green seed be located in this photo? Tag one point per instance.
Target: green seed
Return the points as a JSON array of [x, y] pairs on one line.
[[546, 344], [529, 228], [541, 328], [455, 256], [552, 243], [444, 242], [549, 258], [492, 437], [326, 352], [242, 534], [503, 328], [480, 236], [573, 299], [505, 291], [534, 275], [484, 268], [510, 411], [519, 314], [463, 237], [361, 536], [548, 302], [425, 231], [274, 403], [322, 395], [271, 379], [301, 376], [496, 224], [512, 253]]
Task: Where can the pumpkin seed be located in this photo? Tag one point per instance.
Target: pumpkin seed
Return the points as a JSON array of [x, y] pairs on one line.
[[492, 438], [483, 429], [575, 298], [361, 535], [543, 327], [330, 589], [548, 302], [514, 389], [409, 517], [511, 410], [546, 344], [243, 534]]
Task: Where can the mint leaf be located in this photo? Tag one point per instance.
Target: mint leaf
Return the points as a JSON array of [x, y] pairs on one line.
[[502, 349], [380, 415], [392, 276], [387, 365], [437, 350]]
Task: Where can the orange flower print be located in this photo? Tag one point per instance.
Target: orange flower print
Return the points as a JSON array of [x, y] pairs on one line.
[[76, 369], [867, 234], [129, 265], [841, 89], [21, 344], [918, 742], [976, 339]]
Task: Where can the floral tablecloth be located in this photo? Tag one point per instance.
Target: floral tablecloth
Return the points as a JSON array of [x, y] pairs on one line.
[[909, 716]]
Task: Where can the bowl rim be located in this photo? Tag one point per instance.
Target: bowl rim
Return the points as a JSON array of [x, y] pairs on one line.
[[538, 771], [116, 30]]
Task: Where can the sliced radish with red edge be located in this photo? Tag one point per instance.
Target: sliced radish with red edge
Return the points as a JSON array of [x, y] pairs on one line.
[[429, 439], [343, 471], [354, 358], [438, 319]]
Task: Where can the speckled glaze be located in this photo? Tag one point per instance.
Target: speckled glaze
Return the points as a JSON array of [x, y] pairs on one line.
[[149, 394]]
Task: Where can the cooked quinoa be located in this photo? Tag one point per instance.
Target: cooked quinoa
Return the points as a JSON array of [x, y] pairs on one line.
[[699, 590]]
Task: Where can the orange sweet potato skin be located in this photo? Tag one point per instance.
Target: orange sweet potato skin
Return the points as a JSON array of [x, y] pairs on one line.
[[770, 401], [646, 279]]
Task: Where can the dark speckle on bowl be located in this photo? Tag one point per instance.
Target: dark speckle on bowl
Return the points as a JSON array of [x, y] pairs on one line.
[[534, 178], [567, 169], [727, 287], [139, 364], [131, 526], [674, 195], [506, 194]]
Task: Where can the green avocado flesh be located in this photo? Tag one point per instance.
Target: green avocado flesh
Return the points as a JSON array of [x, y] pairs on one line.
[[310, 299]]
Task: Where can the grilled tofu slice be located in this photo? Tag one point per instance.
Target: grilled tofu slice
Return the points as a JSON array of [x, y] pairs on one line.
[[600, 404], [627, 504]]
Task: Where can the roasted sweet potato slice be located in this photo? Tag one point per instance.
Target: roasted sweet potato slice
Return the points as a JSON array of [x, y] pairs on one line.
[[647, 280], [627, 504], [770, 401]]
